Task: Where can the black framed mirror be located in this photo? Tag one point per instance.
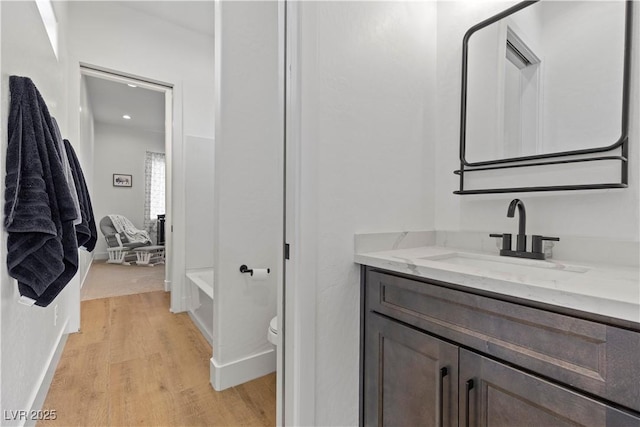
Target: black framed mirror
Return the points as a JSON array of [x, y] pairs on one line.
[[546, 84]]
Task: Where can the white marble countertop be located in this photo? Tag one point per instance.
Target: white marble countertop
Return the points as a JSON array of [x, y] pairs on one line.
[[612, 291]]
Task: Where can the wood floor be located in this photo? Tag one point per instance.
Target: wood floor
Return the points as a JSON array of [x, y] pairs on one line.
[[135, 363]]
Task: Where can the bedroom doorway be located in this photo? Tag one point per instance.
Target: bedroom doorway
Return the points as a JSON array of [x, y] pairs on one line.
[[129, 123]]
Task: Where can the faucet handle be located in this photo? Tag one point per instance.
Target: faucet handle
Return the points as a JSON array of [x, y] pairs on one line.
[[536, 242], [506, 240]]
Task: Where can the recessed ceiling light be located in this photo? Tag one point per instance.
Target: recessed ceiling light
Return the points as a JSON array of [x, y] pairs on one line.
[[126, 117], [130, 85]]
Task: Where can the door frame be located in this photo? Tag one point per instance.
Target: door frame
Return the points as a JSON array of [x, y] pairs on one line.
[[298, 293], [170, 285]]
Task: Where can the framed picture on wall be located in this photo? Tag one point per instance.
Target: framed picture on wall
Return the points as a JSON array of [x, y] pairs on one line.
[[120, 180]]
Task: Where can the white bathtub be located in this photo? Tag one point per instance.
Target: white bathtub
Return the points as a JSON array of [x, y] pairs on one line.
[[202, 278], [201, 311]]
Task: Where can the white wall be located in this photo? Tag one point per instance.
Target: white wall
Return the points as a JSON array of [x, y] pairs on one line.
[[112, 36], [367, 132], [85, 151], [122, 150], [86, 145], [29, 337], [607, 214], [248, 187], [109, 35], [199, 154]]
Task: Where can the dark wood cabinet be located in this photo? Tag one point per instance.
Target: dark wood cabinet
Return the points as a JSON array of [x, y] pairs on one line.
[[505, 364], [411, 377], [497, 395]]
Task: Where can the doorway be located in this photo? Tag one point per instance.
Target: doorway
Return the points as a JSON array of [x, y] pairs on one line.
[[127, 126]]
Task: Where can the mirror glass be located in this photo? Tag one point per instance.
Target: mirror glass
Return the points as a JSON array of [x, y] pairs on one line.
[[546, 79]]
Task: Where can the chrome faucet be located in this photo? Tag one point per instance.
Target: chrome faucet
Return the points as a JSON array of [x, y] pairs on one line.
[[537, 251]]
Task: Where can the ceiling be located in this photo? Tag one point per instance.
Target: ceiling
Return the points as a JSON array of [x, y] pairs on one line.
[[197, 16], [111, 100]]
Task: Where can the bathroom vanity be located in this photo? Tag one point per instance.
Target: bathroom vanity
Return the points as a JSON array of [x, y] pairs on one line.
[[452, 338]]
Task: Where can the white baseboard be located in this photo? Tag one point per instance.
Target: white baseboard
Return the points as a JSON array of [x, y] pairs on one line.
[[243, 370], [44, 382], [86, 273]]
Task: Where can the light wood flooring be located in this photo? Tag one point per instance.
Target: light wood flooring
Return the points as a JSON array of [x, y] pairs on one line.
[[135, 363]]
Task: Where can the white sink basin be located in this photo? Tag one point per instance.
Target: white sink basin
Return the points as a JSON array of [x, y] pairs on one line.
[[541, 270]]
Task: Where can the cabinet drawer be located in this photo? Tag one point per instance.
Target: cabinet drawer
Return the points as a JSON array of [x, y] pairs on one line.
[[590, 356]]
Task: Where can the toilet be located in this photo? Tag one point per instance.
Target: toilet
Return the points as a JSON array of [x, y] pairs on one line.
[[272, 333]]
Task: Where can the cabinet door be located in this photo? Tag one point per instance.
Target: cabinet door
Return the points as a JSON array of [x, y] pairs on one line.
[[494, 394], [410, 377]]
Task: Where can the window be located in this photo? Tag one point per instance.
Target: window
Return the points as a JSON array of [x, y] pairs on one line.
[[154, 188]]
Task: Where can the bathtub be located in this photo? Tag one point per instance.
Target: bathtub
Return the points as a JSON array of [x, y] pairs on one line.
[[203, 279], [201, 311]]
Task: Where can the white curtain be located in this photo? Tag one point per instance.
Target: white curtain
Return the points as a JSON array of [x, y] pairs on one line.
[[154, 186]]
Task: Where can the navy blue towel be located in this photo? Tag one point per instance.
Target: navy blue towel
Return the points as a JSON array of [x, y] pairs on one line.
[[86, 231], [39, 210]]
